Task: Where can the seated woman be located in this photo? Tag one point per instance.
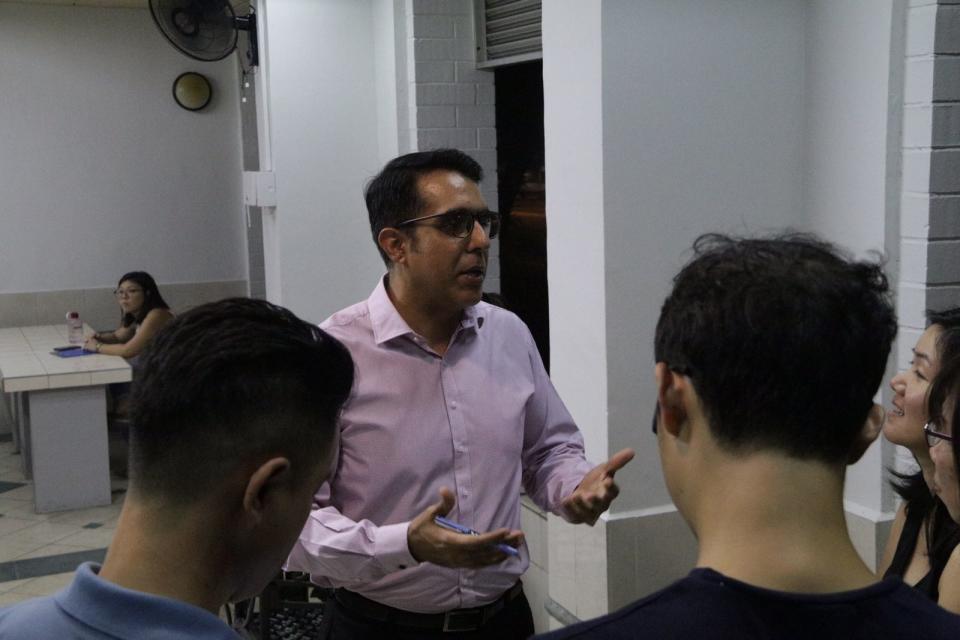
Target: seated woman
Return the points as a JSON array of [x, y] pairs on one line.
[[143, 313], [941, 432], [923, 539]]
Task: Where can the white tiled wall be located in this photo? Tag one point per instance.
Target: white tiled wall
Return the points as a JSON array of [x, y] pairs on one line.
[[930, 205], [533, 522], [594, 570], [450, 101]]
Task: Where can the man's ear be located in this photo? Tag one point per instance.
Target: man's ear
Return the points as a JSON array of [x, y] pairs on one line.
[[671, 391], [261, 484], [868, 433], [393, 243]]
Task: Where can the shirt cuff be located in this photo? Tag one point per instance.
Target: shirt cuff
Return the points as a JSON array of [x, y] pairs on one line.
[[392, 550]]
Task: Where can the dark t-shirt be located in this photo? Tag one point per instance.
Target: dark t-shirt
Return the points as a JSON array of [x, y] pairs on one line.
[[708, 605]]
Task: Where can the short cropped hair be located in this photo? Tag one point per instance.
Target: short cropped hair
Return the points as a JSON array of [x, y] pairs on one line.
[[785, 340], [227, 384], [392, 195]]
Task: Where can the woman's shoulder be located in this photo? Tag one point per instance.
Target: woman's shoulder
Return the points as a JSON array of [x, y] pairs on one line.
[[157, 316]]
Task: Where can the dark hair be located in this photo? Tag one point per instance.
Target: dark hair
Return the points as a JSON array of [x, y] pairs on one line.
[[785, 340], [392, 195], [942, 533], [948, 342], [946, 386], [227, 382], [151, 297]]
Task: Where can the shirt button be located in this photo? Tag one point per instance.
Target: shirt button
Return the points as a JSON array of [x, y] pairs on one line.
[[453, 405]]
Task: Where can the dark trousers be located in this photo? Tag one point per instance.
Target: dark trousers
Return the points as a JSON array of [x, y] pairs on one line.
[[514, 622]]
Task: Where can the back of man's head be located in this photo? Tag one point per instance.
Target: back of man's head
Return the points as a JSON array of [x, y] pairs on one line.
[[392, 195], [228, 384], [784, 339]]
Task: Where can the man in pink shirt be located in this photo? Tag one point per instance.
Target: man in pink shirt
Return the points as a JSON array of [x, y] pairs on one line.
[[452, 414]]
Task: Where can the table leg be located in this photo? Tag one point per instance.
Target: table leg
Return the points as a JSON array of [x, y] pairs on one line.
[[23, 432], [68, 448], [13, 402]]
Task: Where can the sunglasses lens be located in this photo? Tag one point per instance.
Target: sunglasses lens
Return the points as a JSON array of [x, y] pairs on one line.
[[457, 225], [460, 224]]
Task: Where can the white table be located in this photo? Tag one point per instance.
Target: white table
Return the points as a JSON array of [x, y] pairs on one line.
[[61, 411]]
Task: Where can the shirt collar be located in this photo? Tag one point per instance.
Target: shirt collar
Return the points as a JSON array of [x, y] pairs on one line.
[[107, 607], [387, 323]]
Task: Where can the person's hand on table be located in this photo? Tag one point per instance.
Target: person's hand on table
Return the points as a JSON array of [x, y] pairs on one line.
[[429, 542], [597, 490], [90, 344]]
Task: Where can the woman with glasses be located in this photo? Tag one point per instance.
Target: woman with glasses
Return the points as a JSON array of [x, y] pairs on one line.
[[944, 409], [143, 312], [923, 536]]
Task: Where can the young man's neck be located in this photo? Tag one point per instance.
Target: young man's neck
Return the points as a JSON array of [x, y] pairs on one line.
[[778, 523], [436, 324], [180, 560]]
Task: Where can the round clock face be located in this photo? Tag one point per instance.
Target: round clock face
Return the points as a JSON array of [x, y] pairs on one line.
[[192, 91]]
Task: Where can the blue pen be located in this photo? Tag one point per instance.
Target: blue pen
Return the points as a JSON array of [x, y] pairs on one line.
[[459, 528]]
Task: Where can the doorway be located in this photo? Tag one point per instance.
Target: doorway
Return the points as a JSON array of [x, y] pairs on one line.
[[522, 199]]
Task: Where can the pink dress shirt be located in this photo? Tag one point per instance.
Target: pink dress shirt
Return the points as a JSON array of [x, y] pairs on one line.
[[483, 420]]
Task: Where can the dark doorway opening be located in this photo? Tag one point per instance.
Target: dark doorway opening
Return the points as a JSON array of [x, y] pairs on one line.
[[520, 174]]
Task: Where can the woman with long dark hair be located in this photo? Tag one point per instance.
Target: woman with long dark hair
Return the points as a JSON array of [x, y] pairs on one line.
[[941, 433], [143, 312], [923, 537]]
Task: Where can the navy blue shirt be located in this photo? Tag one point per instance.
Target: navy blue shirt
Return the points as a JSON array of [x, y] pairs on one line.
[[91, 607], [708, 605]]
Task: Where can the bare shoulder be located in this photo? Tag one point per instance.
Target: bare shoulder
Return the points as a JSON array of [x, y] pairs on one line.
[[155, 320], [158, 316]]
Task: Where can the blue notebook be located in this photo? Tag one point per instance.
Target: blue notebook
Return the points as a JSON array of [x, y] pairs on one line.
[[73, 353]]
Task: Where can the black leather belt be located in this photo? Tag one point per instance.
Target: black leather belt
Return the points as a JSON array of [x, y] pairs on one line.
[[451, 621]]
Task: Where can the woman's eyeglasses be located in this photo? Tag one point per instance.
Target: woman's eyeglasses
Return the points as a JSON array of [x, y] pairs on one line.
[[933, 437], [458, 223], [125, 293]]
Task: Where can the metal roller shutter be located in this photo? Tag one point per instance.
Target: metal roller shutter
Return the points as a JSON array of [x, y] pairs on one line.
[[508, 31]]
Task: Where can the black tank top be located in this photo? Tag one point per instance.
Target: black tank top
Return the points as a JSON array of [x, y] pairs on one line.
[[929, 585]]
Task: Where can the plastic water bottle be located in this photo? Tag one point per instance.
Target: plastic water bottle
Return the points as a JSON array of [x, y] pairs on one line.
[[74, 328]]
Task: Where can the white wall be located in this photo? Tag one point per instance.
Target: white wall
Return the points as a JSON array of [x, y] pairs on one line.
[[848, 110], [100, 171], [573, 142], [847, 56], [702, 131], [325, 59]]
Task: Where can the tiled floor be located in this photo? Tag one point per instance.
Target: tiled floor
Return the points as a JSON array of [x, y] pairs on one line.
[[38, 552]]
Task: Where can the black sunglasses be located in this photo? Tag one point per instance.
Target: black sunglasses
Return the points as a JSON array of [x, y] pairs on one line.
[[459, 223]]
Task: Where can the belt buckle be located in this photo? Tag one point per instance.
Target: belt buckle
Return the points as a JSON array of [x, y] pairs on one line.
[[462, 620]]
